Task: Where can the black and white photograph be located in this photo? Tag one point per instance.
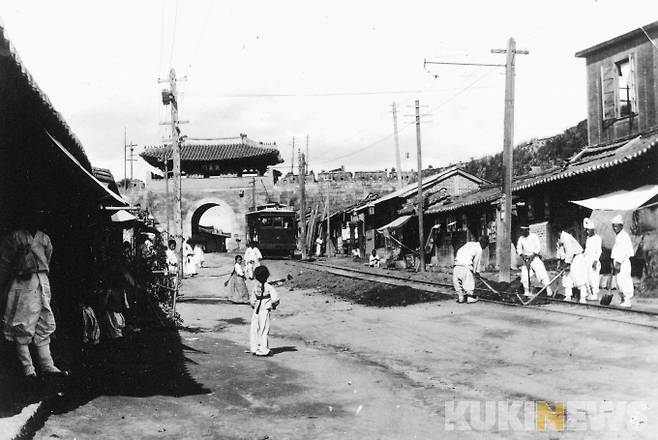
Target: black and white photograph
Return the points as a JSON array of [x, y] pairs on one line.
[[269, 220]]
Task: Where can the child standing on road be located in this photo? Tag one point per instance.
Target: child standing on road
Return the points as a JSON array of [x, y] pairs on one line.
[[239, 291], [263, 298]]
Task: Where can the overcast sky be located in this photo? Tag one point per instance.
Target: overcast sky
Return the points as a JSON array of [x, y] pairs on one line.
[[278, 69]]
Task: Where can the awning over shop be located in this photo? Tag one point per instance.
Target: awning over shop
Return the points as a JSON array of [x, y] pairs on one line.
[[122, 217], [395, 224], [104, 191], [624, 200]]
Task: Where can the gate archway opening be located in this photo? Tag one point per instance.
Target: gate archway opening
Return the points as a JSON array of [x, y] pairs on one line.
[[212, 222]]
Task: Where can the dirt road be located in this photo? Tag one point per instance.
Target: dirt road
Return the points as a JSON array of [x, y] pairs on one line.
[[344, 370]]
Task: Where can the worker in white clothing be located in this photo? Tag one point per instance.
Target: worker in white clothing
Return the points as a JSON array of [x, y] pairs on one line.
[[529, 249], [374, 259], [252, 257], [592, 256], [621, 255], [571, 252], [467, 263]]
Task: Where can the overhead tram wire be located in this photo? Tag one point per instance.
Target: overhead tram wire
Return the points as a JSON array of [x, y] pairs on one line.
[[405, 126]]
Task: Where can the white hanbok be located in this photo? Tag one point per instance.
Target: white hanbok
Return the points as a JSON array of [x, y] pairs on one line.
[[24, 267], [263, 299], [621, 253], [592, 256], [527, 247], [190, 265], [199, 255], [571, 252]]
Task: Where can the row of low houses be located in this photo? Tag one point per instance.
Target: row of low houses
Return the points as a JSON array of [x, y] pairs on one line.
[[616, 173]]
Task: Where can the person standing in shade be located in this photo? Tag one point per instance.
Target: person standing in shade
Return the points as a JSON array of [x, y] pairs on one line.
[[571, 252], [25, 256], [592, 256], [263, 299], [172, 258], [467, 263], [529, 249], [190, 264], [621, 255]]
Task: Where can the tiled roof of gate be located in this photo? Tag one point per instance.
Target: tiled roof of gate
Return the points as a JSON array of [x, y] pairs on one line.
[[240, 149]]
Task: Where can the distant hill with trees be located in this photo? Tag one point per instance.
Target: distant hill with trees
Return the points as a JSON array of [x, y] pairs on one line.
[[544, 153]]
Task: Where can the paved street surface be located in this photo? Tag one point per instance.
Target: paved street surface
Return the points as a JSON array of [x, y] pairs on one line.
[[348, 371]]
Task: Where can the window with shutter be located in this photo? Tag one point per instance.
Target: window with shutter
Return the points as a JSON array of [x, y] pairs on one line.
[[625, 89], [608, 93]]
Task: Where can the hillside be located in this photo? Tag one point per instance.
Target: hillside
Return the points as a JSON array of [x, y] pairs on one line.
[[544, 153]]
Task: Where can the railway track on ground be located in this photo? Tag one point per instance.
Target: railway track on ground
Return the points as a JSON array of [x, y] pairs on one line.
[[637, 317]]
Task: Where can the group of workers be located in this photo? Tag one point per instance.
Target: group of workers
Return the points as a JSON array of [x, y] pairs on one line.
[[582, 269]]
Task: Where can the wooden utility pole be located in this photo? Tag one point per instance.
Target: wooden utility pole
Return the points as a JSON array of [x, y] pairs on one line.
[[132, 146], [504, 218], [292, 159], [306, 157], [504, 223], [398, 163], [253, 193], [421, 234], [302, 203], [170, 97], [166, 181], [328, 241], [125, 176]]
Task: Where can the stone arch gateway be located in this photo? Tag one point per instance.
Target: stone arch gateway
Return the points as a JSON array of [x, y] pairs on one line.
[[228, 220]]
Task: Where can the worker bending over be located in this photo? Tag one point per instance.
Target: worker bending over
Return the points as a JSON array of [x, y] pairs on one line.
[[529, 249], [467, 263]]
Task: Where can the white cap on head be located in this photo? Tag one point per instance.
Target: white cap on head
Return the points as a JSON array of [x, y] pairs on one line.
[[588, 224], [617, 220]]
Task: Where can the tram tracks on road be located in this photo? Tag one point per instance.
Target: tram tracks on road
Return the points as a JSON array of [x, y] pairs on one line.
[[635, 317]]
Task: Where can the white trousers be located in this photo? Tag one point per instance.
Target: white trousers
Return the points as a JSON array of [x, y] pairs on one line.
[[462, 280], [28, 317], [594, 277], [260, 328], [537, 267], [624, 280], [576, 277]]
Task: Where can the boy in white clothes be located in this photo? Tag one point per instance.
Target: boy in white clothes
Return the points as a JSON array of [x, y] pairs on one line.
[[263, 298], [592, 256]]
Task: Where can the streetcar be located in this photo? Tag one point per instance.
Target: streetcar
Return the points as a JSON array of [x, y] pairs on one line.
[[274, 228]]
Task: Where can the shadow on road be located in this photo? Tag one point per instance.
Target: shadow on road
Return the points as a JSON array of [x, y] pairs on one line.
[[284, 349], [140, 365]]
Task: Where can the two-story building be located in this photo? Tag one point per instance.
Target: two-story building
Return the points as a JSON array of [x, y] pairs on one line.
[[620, 161]]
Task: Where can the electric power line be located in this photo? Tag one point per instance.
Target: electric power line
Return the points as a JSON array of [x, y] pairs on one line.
[[405, 126]]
